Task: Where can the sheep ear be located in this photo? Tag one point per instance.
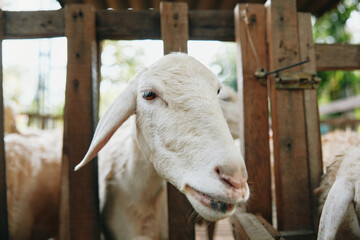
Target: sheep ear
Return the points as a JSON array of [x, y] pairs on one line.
[[336, 204], [118, 112]]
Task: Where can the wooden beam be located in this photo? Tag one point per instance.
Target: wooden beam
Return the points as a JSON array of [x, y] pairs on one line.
[[341, 105], [250, 30], [248, 226], [174, 26], [313, 136], [130, 25], [211, 25], [4, 227], [34, 24], [337, 57], [299, 235], [288, 121], [79, 195], [175, 34]]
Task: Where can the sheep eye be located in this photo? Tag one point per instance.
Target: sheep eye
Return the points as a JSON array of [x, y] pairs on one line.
[[149, 95], [218, 91]]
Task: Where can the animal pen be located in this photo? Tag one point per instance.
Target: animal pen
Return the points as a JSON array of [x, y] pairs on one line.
[[268, 37]]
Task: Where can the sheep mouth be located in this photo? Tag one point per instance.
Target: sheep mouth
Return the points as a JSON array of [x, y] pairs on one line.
[[209, 201]]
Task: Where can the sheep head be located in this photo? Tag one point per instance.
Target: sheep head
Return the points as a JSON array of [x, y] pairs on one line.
[[181, 130]]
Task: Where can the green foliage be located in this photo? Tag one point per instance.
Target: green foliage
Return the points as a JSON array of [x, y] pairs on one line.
[[120, 61], [225, 65], [331, 28]]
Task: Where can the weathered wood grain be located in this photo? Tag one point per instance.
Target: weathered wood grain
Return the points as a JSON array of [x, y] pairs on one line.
[[79, 201], [174, 26], [254, 115], [4, 233], [337, 57], [128, 25], [288, 122], [34, 24], [313, 136], [247, 226]]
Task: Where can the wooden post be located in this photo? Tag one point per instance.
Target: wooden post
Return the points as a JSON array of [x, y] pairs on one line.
[[288, 122], [79, 196], [175, 33], [4, 232], [313, 136], [250, 35]]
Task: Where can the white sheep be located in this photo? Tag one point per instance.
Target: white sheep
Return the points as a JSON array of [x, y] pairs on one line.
[[9, 117], [177, 133], [231, 109], [339, 198], [33, 184]]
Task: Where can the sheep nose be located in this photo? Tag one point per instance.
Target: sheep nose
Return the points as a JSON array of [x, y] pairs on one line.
[[236, 180]]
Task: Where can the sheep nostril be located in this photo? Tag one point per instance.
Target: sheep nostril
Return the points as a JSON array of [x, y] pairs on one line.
[[236, 180]]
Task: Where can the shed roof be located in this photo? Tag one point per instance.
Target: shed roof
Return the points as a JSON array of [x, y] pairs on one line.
[[317, 7]]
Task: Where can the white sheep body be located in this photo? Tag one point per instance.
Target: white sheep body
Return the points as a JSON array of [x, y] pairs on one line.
[[181, 136], [132, 195], [339, 198], [33, 184], [127, 179]]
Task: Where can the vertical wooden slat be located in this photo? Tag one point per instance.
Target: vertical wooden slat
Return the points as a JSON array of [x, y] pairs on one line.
[[307, 51], [254, 123], [288, 121], [174, 26], [4, 233], [175, 34], [79, 201]]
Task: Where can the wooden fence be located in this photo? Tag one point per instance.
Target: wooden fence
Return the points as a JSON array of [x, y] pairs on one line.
[[268, 37]]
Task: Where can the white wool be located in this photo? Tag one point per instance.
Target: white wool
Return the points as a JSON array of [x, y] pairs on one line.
[[339, 197], [33, 184], [9, 117], [132, 194], [181, 136]]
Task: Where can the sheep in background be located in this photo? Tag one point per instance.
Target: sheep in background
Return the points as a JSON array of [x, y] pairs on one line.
[[231, 109], [178, 133], [339, 144], [9, 117], [339, 198], [33, 179], [33, 184]]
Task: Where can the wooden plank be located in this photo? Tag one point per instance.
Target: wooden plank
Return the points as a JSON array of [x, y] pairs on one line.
[[34, 24], [175, 33], [288, 122], [174, 26], [247, 226], [4, 232], [313, 136], [337, 57], [299, 235], [128, 25], [211, 25], [253, 103], [79, 201], [341, 105]]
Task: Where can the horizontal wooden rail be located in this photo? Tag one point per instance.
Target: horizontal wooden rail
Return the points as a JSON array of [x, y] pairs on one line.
[[131, 25], [341, 105], [337, 57]]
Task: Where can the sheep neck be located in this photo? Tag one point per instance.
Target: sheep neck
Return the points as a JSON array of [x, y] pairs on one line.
[[147, 181]]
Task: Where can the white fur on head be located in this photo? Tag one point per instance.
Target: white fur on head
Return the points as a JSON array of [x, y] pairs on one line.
[[183, 133]]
